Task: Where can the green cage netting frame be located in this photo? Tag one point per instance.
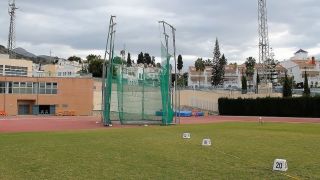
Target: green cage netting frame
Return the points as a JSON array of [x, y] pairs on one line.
[[138, 94]]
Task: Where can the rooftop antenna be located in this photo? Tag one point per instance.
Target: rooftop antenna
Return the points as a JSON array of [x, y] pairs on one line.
[[12, 37]]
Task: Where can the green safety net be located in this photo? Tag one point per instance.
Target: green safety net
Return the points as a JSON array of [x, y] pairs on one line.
[[107, 95], [139, 94], [165, 82]]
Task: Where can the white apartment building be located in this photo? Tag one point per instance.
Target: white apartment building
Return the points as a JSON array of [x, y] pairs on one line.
[[301, 63], [138, 72], [197, 78], [63, 68], [232, 77]]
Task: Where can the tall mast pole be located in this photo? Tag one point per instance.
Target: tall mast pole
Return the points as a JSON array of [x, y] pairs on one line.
[[12, 37], [263, 39], [175, 65], [105, 105]]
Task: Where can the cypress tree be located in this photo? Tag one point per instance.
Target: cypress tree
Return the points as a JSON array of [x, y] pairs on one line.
[[179, 63], [287, 87], [216, 72], [244, 84], [306, 89], [129, 62]]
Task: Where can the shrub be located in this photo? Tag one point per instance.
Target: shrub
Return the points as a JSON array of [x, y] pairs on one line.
[[283, 107]]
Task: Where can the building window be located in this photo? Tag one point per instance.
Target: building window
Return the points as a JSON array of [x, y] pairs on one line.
[[16, 71], [29, 87], [2, 87], [42, 88], [48, 88], [15, 88], [23, 86], [1, 70]]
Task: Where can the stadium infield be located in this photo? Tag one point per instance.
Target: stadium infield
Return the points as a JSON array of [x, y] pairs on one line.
[[239, 151]]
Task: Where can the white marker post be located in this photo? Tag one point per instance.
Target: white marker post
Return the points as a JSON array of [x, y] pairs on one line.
[[206, 142], [260, 120], [280, 165], [186, 136]]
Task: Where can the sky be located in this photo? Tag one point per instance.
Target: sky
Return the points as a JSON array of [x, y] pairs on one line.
[[79, 27]]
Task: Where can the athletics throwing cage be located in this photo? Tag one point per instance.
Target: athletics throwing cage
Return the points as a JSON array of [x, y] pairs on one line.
[[139, 94]]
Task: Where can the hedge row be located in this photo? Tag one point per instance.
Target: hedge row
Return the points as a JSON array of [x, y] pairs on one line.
[[282, 107]]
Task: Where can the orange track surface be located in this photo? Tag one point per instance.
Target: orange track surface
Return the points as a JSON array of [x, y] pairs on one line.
[[56, 123]]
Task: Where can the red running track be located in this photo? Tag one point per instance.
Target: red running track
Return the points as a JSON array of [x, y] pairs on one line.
[[217, 119], [57, 123]]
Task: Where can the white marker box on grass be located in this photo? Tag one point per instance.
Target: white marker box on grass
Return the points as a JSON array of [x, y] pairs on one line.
[[186, 136], [206, 142], [280, 165]]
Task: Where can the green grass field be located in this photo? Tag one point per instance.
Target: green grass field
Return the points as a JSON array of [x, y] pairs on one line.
[[239, 151]]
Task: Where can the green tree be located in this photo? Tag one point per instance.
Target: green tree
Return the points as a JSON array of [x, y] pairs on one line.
[[179, 64], [222, 63], [140, 59], [75, 58], [287, 87], [95, 67], [92, 57], [250, 64], [118, 60], [199, 65], [244, 84], [208, 62], [306, 89], [183, 80], [147, 59], [153, 61], [273, 72], [129, 62], [218, 65]]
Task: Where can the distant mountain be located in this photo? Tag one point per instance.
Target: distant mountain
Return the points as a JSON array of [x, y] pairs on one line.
[[21, 53], [24, 52], [3, 50], [48, 58]]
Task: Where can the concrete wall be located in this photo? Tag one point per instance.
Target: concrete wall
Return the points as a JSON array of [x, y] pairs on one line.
[[208, 100]]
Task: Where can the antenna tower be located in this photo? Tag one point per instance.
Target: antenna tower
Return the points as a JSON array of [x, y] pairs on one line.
[[12, 37], [264, 54]]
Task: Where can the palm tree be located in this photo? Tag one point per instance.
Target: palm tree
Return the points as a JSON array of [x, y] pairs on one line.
[[199, 64]]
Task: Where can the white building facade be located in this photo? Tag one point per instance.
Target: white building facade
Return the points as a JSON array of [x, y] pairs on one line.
[[300, 64], [232, 77]]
